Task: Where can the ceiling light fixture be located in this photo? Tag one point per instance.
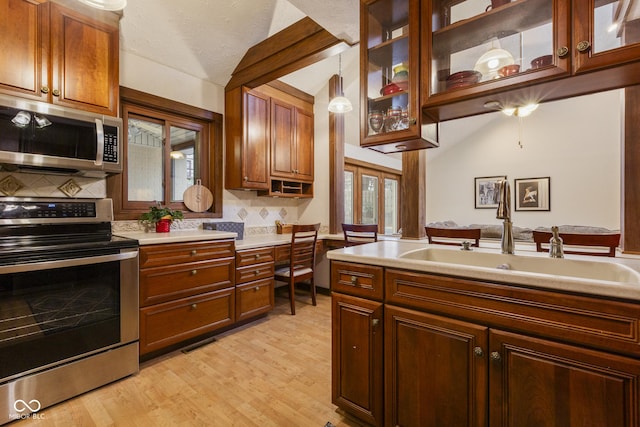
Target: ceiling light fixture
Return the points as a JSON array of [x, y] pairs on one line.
[[176, 155], [523, 111], [106, 4], [340, 103]]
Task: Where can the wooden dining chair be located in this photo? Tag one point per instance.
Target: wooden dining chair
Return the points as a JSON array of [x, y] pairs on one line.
[[453, 236], [357, 234], [301, 261], [597, 244]]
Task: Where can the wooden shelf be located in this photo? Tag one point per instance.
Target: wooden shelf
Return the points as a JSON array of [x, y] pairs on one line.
[[392, 52], [500, 22], [290, 189]]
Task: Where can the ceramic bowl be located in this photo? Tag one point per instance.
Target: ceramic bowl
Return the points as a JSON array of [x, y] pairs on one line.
[[542, 61], [390, 88], [463, 78], [509, 70]]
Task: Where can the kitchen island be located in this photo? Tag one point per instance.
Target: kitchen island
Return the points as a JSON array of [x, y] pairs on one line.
[[433, 336]]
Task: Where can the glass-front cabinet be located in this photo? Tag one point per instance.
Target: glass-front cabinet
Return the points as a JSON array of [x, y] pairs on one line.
[[481, 45], [605, 32], [390, 75], [506, 53]]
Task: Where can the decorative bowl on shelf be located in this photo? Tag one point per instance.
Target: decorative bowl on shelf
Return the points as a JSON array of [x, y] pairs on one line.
[[463, 78], [390, 89], [542, 61], [509, 70]]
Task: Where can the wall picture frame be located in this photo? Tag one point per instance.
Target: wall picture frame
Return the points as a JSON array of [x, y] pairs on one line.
[[533, 194], [486, 190]]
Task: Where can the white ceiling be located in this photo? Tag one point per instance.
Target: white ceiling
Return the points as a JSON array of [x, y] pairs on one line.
[[208, 38]]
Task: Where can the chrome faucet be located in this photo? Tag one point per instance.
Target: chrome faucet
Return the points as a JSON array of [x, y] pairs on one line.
[[555, 244], [504, 213]]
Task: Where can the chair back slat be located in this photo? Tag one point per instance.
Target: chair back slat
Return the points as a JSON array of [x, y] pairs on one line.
[[303, 246], [447, 236], [597, 244], [358, 234]]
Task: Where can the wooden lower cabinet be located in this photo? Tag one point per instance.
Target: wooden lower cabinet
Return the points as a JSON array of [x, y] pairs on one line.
[[459, 352], [357, 380], [254, 282], [186, 290], [436, 370]]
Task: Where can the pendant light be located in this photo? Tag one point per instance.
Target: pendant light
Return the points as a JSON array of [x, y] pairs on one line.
[[492, 60], [106, 4], [340, 104]]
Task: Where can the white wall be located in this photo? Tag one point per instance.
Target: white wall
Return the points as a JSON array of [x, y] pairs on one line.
[[575, 142]]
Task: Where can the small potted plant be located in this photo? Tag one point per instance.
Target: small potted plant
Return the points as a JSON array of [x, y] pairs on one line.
[[161, 217]]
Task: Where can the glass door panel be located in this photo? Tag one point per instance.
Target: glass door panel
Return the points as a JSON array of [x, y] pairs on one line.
[[613, 20], [145, 160], [183, 153], [369, 199], [391, 198], [476, 41]]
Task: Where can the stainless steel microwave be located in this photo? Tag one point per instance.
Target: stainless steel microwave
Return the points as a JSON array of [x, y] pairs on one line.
[[46, 138]]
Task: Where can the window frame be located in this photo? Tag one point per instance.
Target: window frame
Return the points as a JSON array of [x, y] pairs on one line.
[[360, 168], [171, 113]]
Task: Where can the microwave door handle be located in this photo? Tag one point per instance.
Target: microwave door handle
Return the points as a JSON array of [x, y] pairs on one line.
[[100, 147]]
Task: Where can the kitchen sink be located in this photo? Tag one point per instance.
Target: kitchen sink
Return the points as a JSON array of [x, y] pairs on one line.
[[570, 268]]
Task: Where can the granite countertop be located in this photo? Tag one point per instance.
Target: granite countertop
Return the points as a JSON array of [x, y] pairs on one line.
[[393, 254], [175, 236]]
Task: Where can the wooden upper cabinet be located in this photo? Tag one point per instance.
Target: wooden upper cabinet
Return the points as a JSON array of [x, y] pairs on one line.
[[56, 54], [304, 144], [291, 141], [247, 139]]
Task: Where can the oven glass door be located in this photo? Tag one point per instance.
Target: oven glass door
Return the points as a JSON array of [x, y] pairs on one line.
[[53, 314], [26, 132]]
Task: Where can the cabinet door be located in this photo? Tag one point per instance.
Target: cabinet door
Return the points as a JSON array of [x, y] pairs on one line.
[[435, 369], [282, 139], [304, 145], [536, 383], [606, 33], [255, 144], [84, 62], [24, 26], [357, 357]]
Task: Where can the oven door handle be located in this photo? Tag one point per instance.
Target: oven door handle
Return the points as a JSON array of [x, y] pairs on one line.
[[69, 262]]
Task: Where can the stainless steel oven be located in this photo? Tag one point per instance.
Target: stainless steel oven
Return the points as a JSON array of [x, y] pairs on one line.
[[68, 303]]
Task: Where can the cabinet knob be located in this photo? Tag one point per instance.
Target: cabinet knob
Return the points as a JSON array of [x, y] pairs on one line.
[[194, 252], [256, 289], [354, 280], [246, 178], [412, 121], [495, 356], [562, 51], [194, 306], [478, 351], [56, 92], [375, 322], [257, 256], [194, 272], [44, 89], [583, 46]]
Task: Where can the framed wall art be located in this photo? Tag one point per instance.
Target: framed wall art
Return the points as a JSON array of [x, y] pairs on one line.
[[486, 191], [533, 194]]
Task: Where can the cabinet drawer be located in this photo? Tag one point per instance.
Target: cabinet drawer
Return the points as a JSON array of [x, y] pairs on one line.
[[165, 324], [580, 319], [254, 298], [253, 256], [172, 254], [357, 279], [283, 252], [162, 284], [254, 272]]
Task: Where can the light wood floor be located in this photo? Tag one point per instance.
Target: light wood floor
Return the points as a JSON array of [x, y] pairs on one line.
[[273, 372]]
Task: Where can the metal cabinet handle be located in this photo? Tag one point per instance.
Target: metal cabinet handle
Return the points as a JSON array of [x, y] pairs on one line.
[[194, 252], [375, 322], [44, 89], [256, 289], [194, 272], [354, 280], [56, 92], [495, 356], [257, 256], [583, 46], [562, 51], [246, 178], [477, 351], [194, 306]]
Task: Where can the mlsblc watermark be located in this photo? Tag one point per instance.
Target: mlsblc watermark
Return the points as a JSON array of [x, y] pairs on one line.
[[25, 410]]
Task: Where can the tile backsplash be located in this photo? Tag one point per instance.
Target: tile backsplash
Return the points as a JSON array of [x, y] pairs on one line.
[[16, 184]]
